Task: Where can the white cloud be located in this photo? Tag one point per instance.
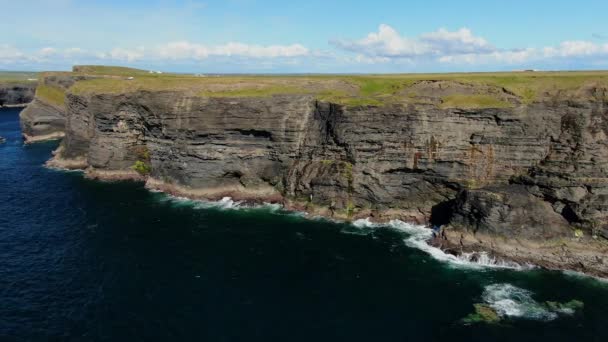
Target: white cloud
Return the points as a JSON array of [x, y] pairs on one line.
[[48, 51], [9, 53], [387, 42], [462, 47], [461, 41], [128, 55], [384, 50], [187, 50], [576, 49], [183, 50]]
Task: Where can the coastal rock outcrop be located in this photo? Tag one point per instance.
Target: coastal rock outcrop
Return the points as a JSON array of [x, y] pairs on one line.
[[16, 93]]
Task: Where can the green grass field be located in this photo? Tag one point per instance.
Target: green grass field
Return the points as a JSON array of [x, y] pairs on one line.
[[18, 76], [354, 90]]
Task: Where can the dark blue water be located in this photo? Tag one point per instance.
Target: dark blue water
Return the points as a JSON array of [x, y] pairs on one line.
[[90, 261]]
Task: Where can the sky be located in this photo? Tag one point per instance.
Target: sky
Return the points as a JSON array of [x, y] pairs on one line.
[[312, 36]]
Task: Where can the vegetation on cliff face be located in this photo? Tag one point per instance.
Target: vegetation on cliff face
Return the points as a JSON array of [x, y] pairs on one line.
[[142, 165], [473, 101], [51, 94]]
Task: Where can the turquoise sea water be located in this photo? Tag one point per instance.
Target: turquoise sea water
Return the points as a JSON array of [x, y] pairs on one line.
[[82, 260]]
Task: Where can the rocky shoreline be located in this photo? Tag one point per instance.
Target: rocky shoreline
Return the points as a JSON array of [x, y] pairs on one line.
[[586, 255]]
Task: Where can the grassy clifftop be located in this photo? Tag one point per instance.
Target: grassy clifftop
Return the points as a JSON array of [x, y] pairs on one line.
[[461, 90]]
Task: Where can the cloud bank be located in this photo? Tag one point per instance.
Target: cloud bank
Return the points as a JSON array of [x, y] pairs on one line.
[[384, 50], [462, 47]]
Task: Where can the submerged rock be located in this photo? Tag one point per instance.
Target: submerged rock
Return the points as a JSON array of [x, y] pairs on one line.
[[483, 314], [505, 301], [570, 307]]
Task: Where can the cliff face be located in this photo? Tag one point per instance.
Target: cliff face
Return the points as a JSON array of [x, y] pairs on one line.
[[400, 161], [533, 171], [45, 117], [16, 93]]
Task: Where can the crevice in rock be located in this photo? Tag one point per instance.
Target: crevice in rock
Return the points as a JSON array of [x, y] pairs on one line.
[[403, 170], [232, 174], [256, 133], [442, 212], [570, 215]]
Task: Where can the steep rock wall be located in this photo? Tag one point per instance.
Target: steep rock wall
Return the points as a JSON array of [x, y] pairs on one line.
[[16, 94], [45, 116], [398, 161]]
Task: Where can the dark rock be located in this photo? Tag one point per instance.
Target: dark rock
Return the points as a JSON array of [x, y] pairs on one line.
[[532, 171], [42, 120], [16, 94], [508, 211]]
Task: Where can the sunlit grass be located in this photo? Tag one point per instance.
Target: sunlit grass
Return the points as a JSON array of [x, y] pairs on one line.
[[473, 101], [352, 90], [50, 94]]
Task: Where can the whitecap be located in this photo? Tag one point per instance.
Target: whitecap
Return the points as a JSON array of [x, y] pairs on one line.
[[418, 237], [511, 301], [226, 203]]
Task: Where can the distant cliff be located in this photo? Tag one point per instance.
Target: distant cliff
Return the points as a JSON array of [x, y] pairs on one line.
[[494, 165], [16, 93]]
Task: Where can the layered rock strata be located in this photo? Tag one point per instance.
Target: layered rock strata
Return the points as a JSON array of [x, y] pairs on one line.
[[525, 172], [16, 94]]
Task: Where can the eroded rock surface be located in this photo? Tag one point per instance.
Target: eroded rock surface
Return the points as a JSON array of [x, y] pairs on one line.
[[45, 118], [16, 94]]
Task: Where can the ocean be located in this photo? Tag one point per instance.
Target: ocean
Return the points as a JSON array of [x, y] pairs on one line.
[[83, 260]]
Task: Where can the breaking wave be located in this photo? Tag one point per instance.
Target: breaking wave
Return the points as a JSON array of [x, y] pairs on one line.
[[511, 301], [225, 203], [418, 237]]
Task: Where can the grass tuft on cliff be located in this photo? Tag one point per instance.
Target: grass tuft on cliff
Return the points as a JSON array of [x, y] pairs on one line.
[[473, 102]]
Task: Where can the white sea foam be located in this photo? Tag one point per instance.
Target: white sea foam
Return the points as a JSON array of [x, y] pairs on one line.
[[418, 237], [226, 203], [512, 301]]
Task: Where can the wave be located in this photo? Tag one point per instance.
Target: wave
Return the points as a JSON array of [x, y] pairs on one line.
[[418, 237], [511, 301], [226, 203]]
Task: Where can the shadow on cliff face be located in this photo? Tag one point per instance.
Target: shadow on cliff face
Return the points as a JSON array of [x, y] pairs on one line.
[[441, 213]]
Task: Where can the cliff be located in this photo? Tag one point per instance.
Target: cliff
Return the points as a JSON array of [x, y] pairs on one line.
[[44, 118], [16, 93], [508, 163]]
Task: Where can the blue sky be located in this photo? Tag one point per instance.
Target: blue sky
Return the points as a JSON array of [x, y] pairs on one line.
[[305, 36]]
